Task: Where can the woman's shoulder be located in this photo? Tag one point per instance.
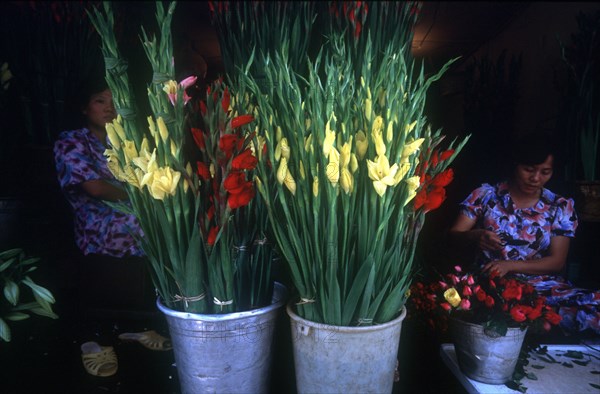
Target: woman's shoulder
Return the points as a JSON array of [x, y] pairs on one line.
[[549, 197], [72, 135]]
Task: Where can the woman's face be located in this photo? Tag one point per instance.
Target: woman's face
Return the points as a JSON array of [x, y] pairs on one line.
[[530, 179], [100, 110]]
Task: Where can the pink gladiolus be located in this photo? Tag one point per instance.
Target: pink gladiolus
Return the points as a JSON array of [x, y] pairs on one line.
[[470, 280], [443, 285], [467, 291], [457, 268], [189, 81]]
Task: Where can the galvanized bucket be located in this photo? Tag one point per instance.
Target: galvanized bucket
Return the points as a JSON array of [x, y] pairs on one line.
[[485, 358], [229, 353], [339, 359]]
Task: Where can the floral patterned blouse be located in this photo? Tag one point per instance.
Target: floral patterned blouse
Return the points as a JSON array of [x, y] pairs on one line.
[[526, 232], [99, 229]]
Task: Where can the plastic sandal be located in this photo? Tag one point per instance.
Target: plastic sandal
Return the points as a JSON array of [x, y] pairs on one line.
[[99, 360], [150, 339]]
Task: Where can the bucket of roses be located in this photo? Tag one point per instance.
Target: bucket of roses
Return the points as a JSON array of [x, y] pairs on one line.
[[486, 315]]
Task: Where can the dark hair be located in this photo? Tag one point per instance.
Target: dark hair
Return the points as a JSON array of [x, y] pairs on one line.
[[87, 89], [533, 148]]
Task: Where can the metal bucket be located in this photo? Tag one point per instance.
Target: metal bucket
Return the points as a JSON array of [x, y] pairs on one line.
[[229, 353], [339, 359], [484, 358]]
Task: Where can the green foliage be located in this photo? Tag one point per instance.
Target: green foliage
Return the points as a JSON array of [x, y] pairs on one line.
[[16, 283]]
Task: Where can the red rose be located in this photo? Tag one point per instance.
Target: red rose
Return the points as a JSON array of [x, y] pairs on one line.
[[244, 161], [481, 295], [518, 313], [512, 293], [553, 317]]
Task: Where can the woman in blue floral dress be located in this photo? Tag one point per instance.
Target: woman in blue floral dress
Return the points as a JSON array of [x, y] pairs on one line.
[[524, 229]]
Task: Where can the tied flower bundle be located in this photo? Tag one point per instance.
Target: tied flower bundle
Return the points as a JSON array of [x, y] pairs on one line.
[[347, 150], [199, 236], [497, 303]]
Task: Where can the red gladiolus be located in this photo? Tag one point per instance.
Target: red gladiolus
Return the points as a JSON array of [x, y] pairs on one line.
[[420, 198], [243, 198], [227, 144], [234, 183], [203, 171], [481, 295], [225, 101], [210, 214], [443, 178], [212, 235], [467, 291], [489, 301], [534, 313], [241, 120], [244, 161], [445, 155], [434, 158], [435, 198], [203, 109], [199, 138], [518, 313], [446, 306]]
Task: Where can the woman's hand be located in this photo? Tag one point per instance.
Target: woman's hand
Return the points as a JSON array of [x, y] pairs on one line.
[[488, 240], [499, 266]]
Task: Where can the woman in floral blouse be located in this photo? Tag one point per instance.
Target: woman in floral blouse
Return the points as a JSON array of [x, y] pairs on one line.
[[105, 236], [522, 228]]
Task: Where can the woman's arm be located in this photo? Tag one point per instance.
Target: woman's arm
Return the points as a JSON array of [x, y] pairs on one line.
[[462, 231], [553, 263], [103, 190]]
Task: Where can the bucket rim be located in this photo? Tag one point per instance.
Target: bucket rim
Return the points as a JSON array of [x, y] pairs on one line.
[[323, 326], [279, 297]]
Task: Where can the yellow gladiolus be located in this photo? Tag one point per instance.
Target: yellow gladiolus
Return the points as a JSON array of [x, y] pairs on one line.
[[346, 180], [290, 183], [282, 149], [380, 147], [282, 171], [402, 170], [413, 184], [345, 153], [315, 186], [361, 144], [308, 143], [170, 87], [332, 171], [119, 128], [186, 182], [145, 146], [389, 136], [412, 147], [174, 149], [129, 150], [353, 163], [368, 109], [278, 134], [452, 296], [328, 141], [302, 173], [307, 123], [164, 182], [410, 127], [113, 138], [162, 128], [211, 168], [381, 97], [382, 174]]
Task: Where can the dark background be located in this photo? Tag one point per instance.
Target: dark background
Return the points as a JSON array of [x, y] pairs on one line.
[[50, 47]]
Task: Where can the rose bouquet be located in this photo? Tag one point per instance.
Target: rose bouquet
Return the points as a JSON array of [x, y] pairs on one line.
[[347, 150], [497, 303], [203, 235]]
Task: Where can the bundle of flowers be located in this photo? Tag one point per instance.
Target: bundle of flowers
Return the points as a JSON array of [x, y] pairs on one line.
[[497, 303], [347, 150], [201, 236]]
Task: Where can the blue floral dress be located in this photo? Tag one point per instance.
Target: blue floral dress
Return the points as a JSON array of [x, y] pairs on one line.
[[526, 235], [99, 229]]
